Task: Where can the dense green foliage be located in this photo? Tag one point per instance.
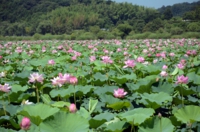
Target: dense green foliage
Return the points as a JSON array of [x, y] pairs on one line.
[[179, 9], [94, 19]]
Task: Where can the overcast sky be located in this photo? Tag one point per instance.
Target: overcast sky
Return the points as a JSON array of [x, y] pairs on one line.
[[155, 3]]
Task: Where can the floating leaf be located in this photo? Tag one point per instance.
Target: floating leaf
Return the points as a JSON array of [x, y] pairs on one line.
[[137, 116], [188, 114], [175, 71], [117, 126], [156, 124], [38, 112], [119, 105], [155, 100], [63, 122], [165, 87], [46, 98], [92, 105], [60, 104], [16, 88]]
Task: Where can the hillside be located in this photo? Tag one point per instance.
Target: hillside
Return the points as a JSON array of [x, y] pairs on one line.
[[180, 9], [94, 18]]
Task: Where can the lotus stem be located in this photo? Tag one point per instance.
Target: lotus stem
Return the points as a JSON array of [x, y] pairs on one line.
[[4, 107], [74, 95], [132, 128], [8, 98], [37, 94], [182, 96], [161, 124]]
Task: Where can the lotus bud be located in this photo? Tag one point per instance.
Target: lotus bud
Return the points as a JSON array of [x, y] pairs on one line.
[[72, 108], [25, 124]]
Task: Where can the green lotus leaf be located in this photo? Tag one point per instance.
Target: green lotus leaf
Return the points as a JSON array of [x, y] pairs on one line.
[[144, 85], [165, 87], [96, 123], [155, 100], [119, 105], [83, 112], [46, 98], [175, 71], [63, 122], [13, 109], [92, 105], [38, 112], [100, 77], [119, 69], [188, 114], [85, 89], [124, 78], [152, 69], [24, 74], [116, 126], [137, 116], [28, 68], [98, 63], [8, 130], [16, 88], [60, 104], [109, 99], [194, 78], [156, 124], [105, 89], [63, 92]]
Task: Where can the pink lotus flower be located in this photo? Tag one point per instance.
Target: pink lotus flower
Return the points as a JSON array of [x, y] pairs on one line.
[[118, 50], [183, 61], [181, 66], [56, 81], [73, 57], [5, 88], [72, 108], [158, 55], [60, 47], [106, 59], [92, 58], [36, 77], [25, 123], [73, 80], [193, 52], [129, 63], [164, 74], [171, 54], [140, 59], [163, 55], [125, 53], [43, 49], [119, 93], [155, 61], [1, 57], [64, 78], [164, 67], [51, 62], [105, 51], [182, 80], [19, 50], [54, 51]]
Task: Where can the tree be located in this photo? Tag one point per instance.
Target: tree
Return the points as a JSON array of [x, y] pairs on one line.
[[167, 14], [125, 29]]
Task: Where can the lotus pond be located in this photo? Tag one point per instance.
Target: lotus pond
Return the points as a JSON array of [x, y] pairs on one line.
[[100, 86]]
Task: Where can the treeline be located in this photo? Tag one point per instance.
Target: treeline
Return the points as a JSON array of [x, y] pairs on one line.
[[90, 19], [180, 9]]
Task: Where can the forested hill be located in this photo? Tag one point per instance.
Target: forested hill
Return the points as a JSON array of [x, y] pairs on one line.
[[63, 16], [28, 17], [180, 9]]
